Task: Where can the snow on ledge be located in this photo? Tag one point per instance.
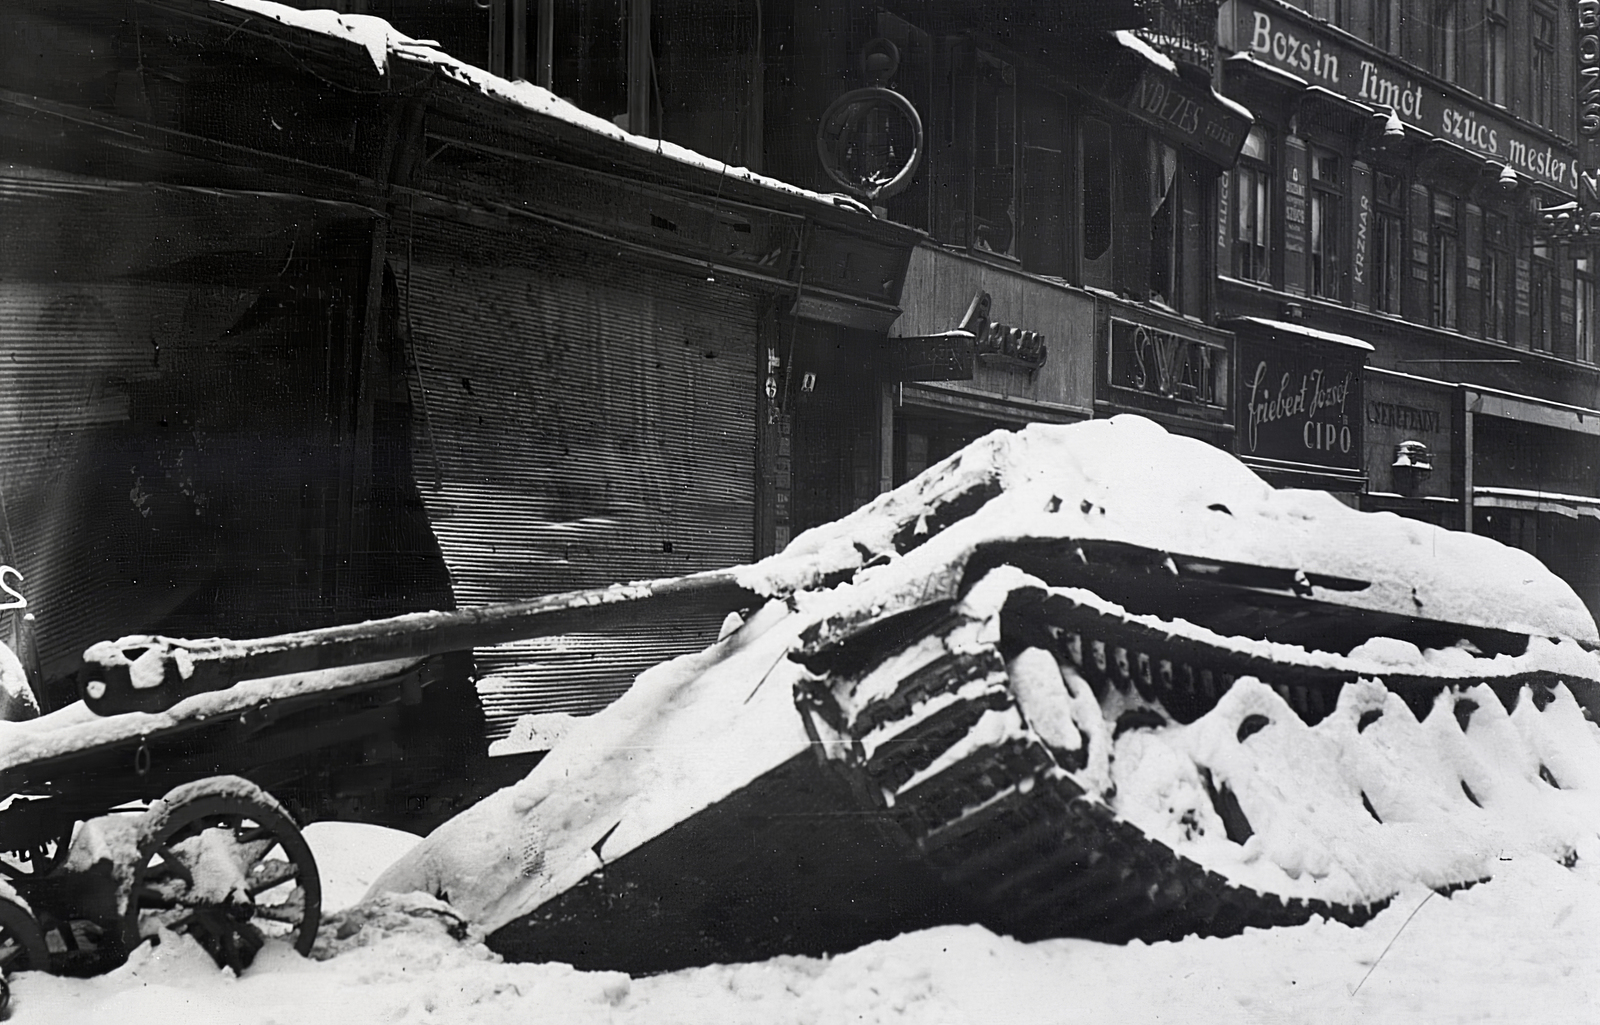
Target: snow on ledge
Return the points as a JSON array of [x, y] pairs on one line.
[[383, 42]]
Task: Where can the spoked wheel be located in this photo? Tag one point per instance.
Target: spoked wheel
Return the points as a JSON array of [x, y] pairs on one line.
[[38, 856], [21, 946], [220, 860]]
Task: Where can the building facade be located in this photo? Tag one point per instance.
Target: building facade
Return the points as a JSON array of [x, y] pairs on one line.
[[1061, 161], [1416, 330], [304, 325]]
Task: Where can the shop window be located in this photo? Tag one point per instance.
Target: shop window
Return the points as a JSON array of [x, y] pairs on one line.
[[1496, 44], [1497, 276], [1444, 39], [1585, 310], [1386, 24], [1542, 66], [1252, 227], [1095, 210], [1388, 243], [1541, 301], [1443, 253], [1327, 185]]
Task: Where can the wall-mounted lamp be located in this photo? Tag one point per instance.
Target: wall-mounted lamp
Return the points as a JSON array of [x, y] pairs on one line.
[[1412, 464], [1509, 181], [1385, 131]]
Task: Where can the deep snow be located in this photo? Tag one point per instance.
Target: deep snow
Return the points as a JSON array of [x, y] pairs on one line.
[[1513, 948], [1519, 948], [626, 775]]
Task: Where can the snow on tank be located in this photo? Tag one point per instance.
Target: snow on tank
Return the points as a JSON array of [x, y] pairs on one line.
[[1086, 680]]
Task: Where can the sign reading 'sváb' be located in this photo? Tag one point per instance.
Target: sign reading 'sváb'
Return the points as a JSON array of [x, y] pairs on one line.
[[1153, 361]]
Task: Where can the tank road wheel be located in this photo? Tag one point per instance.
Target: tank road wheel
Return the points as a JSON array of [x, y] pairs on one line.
[[220, 860]]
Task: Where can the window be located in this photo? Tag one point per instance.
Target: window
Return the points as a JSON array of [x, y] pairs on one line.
[[1444, 38], [1588, 332], [1330, 10], [1253, 211], [589, 58], [1496, 279], [1541, 302], [1386, 24], [1542, 70], [1177, 231], [994, 156], [1388, 243], [1045, 216], [1442, 257], [1496, 35], [1095, 214], [1326, 187], [1165, 227]]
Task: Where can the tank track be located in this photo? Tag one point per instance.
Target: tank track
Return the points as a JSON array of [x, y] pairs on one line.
[[1187, 674], [998, 814]]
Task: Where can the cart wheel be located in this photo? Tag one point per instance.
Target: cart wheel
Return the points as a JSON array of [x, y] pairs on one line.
[[37, 859], [22, 945], [220, 860]]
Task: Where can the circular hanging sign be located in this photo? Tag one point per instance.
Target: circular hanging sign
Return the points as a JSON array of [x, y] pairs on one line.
[[870, 142]]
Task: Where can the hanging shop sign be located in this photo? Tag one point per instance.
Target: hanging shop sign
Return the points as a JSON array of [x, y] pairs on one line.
[[1587, 45], [1190, 116], [949, 356], [1153, 361], [1300, 405], [1288, 44], [942, 357]]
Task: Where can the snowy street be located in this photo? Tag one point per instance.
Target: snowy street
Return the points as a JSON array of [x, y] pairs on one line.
[[1518, 948]]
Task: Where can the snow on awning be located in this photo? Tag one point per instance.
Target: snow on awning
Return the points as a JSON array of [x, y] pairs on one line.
[[386, 44], [1192, 114], [1570, 506], [1305, 332]]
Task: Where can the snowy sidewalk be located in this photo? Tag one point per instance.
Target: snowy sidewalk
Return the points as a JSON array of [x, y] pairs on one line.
[[1519, 948]]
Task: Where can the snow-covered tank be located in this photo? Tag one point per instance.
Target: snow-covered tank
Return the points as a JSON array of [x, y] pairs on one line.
[[1090, 680]]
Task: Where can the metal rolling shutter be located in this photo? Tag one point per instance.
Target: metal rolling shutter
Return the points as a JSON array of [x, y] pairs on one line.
[[114, 298], [578, 422]]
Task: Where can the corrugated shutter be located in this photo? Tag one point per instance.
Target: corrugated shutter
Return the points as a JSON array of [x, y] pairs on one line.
[[128, 316], [578, 422]]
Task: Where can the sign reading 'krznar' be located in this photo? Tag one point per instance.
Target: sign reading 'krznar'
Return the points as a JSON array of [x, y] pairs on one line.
[[1588, 47], [1285, 42]]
